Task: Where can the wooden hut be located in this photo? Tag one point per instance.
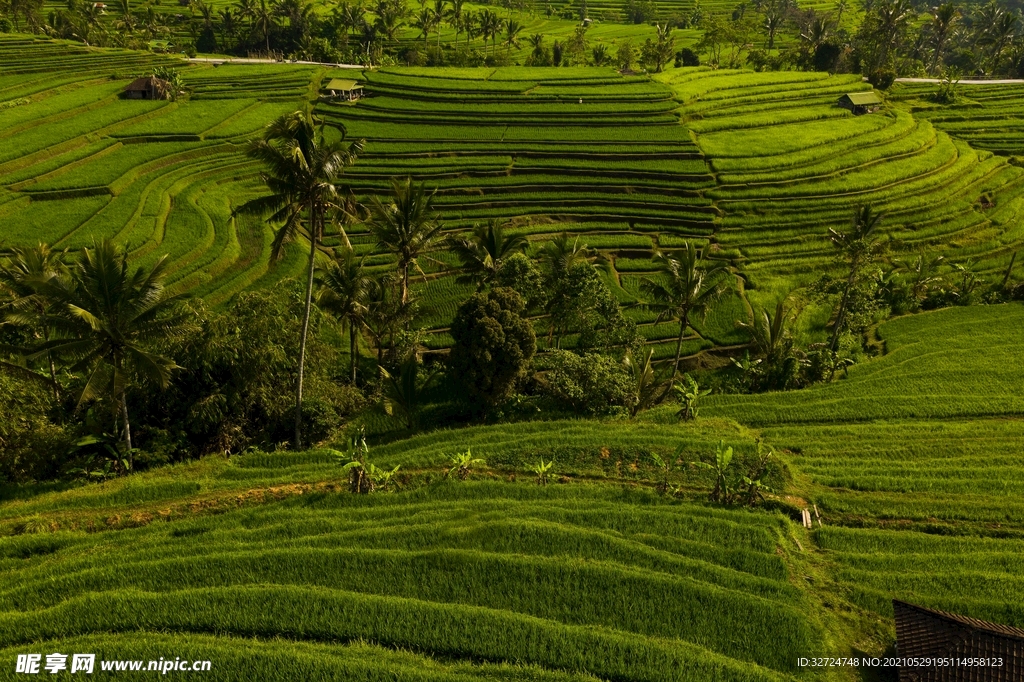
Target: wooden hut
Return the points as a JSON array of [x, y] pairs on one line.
[[340, 88], [148, 88], [927, 633], [860, 102]]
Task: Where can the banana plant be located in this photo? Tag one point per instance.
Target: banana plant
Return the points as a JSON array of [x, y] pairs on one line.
[[689, 393], [723, 492], [542, 470], [462, 463]]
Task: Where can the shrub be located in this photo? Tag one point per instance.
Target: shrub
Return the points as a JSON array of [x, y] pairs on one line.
[[882, 79], [687, 57], [493, 345], [587, 384]]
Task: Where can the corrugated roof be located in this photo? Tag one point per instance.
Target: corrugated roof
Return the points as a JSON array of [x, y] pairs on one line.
[[862, 99], [927, 633], [343, 84]]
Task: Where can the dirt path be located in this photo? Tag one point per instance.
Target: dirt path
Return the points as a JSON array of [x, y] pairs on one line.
[[253, 60], [1005, 81]]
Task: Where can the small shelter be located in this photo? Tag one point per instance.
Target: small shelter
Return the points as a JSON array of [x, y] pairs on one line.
[[860, 102], [924, 633], [340, 88], [148, 88]]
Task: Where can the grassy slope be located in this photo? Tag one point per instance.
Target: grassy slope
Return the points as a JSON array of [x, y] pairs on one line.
[[597, 574]]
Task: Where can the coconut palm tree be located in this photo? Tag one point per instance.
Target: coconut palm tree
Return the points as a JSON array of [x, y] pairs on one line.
[[425, 22], [407, 226], [25, 267], [858, 246], [512, 30], [687, 285], [482, 253], [561, 253], [302, 167], [455, 18], [264, 19], [943, 22], [105, 319], [343, 292]]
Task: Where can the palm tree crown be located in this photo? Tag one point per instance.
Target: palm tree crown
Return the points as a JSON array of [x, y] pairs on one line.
[[687, 285], [406, 225]]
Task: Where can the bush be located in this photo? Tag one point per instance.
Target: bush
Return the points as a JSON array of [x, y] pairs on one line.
[[687, 57], [493, 345], [586, 384], [882, 79]]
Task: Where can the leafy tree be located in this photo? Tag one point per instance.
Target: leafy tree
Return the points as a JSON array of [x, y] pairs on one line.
[[686, 285], [588, 384], [106, 319], [483, 253], [386, 317], [518, 272], [626, 55], [407, 226], [302, 167], [343, 292], [493, 345]]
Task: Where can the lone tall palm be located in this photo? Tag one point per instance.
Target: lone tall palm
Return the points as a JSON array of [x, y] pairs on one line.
[[105, 317], [406, 225], [302, 168], [687, 285]]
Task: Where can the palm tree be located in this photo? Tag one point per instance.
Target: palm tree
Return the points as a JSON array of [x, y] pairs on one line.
[[440, 11], [687, 285], [25, 267], [343, 291], [481, 254], [537, 43], [105, 317], [245, 9], [385, 314], [944, 19], [490, 25], [403, 394], [407, 226], [264, 19], [455, 17], [560, 254], [302, 168], [512, 30], [425, 23], [858, 246]]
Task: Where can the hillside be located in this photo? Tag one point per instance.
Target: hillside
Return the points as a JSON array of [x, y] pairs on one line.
[[265, 562]]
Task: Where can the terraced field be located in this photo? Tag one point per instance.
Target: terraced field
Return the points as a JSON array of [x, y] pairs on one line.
[[988, 116], [266, 563], [564, 581], [790, 164], [586, 151], [79, 163], [923, 446]]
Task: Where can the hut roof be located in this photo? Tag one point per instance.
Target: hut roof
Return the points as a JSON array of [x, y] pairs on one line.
[[343, 84], [862, 99], [146, 84], [927, 633]]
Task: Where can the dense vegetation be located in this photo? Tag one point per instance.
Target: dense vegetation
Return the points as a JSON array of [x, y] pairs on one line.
[[502, 372]]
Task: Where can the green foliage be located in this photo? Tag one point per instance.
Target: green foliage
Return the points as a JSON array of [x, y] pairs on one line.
[[587, 384], [493, 346], [403, 392], [463, 463], [689, 394], [542, 470]]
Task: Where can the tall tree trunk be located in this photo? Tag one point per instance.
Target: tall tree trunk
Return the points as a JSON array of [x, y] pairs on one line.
[[353, 348], [127, 429], [305, 327], [679, 344], [405, 284]]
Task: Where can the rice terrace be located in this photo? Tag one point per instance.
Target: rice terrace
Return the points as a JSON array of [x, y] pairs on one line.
[[562, 341]]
